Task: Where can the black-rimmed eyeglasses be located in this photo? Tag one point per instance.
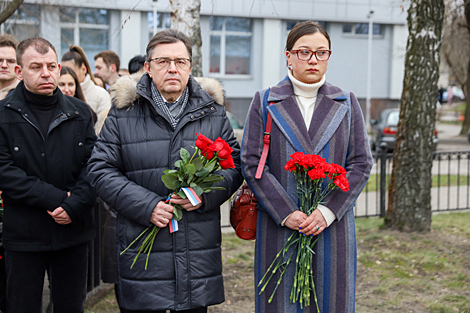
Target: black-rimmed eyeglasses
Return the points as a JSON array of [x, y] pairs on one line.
[[306, 54], [180, 63]]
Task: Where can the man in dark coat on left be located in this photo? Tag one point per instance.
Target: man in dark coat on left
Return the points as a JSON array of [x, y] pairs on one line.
[[46, 139]]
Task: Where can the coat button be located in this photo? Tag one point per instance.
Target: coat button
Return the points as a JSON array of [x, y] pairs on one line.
[[212, 109], [80, 144], [192, 117], [25, 115], [16, 149], [202, 113], [19, 110], [76, 112], [8, 105], [43, 154], [68, 114]]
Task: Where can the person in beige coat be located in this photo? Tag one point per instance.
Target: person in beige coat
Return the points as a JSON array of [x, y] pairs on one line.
[[96, 97]]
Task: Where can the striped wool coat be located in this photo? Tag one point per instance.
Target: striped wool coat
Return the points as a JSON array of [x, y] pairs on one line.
[[337, 133]]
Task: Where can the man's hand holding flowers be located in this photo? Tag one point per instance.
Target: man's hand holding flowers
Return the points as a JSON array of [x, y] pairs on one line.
[[192, 176], [185, 203], [162, 214]]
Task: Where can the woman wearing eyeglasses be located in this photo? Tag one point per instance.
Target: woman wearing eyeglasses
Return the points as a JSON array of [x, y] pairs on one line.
[[315, 117]]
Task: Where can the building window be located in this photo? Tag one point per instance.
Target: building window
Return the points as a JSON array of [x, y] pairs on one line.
[[163, 22], [24, 23], [88, 28], [362, 29], [230, 45]]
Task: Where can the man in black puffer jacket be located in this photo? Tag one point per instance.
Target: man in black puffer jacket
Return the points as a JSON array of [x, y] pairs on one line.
[[151, 120], [46, 139]]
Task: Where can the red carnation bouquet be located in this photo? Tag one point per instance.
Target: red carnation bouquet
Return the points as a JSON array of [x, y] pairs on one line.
[[193, 176], [310, 171]]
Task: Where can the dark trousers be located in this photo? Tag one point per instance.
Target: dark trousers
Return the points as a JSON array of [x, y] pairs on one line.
[[3, 283], [198, 310], [68, 279]]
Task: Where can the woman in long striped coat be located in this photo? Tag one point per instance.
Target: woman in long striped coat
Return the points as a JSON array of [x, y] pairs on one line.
[[312, 116]]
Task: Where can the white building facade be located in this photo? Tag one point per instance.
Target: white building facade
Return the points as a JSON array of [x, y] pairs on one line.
[[243, 40]]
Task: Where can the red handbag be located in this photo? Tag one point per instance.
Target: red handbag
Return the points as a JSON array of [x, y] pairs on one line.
[[243, 213], [243, 210]]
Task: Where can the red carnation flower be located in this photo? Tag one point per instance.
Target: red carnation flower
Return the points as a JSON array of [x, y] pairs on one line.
[[342, 182], [316, 173], [290, 166], [336, 170]]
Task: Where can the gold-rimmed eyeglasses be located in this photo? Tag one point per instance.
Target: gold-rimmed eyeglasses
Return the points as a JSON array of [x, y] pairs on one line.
[[306, 54], [180, 63]]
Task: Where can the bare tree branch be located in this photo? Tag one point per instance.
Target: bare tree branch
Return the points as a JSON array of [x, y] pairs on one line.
[[9, 10]]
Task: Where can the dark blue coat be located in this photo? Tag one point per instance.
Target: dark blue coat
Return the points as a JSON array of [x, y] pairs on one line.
[[135, 146]]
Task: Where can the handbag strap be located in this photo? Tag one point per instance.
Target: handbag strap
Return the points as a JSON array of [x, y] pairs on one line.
[[266, 142]]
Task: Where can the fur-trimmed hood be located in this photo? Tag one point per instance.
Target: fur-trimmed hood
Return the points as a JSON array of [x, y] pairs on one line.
[[128, 89]]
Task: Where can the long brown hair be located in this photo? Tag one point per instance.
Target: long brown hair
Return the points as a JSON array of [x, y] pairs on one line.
[[78, 89], [77, 54]]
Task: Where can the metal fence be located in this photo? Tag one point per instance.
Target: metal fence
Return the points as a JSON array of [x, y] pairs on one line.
[[450, 189]]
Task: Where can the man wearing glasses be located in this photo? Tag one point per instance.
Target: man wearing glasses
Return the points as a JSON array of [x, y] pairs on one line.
[[152, 118], [8, 80]]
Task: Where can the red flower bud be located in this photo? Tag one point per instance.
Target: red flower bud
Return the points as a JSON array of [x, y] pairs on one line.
[[223, 148], [227, 163], [202, 141]]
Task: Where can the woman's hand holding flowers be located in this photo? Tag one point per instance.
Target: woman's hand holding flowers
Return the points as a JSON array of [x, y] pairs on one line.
[[309, 226], [295, 220], [305, 224]]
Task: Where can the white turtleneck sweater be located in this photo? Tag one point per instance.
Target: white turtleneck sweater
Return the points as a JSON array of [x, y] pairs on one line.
[[306, 95]]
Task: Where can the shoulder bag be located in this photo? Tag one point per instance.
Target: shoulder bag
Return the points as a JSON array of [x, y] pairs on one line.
[[243, 210]]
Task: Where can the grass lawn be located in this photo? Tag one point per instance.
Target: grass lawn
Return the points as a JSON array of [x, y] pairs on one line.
[[397, 272]]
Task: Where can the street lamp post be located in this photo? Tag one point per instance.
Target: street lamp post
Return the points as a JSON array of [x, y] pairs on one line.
[[369, 68], [154, 3]]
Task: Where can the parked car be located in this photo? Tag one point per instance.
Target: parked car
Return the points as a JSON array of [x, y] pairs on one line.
[[237, 126], [457, 94], [384, 130]]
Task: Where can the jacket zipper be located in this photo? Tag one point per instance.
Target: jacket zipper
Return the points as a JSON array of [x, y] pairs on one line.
[[49, 130], [42, 136]]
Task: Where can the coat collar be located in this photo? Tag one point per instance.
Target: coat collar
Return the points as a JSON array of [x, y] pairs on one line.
[[330, 109], [17, 102]]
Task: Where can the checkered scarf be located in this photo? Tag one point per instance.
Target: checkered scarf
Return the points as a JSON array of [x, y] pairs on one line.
[[172, 110]]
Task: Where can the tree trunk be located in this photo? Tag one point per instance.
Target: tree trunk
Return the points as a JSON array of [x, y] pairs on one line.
[[9, 10], [410, 188], [185, 17], [466, 87]]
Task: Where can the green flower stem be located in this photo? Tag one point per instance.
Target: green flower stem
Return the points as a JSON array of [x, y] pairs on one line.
[[194, 154], [141, 234]]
